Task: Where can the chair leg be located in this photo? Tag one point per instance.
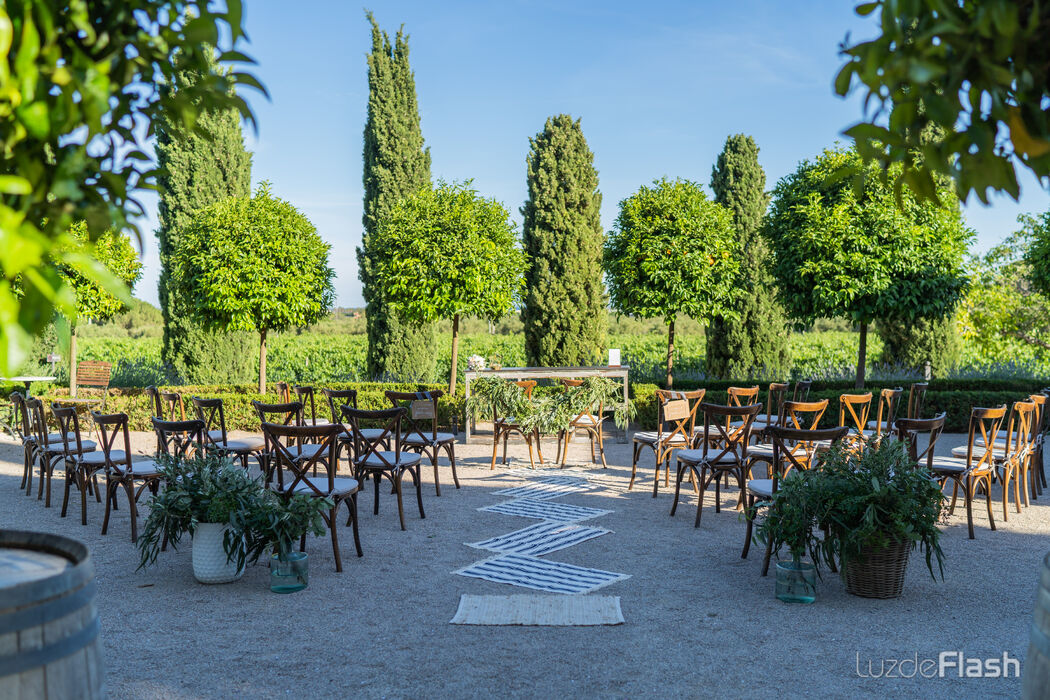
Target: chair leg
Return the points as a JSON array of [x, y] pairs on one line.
[[110, 495], [129, 487], [532, 461], [437, 481], [677, 488], [539, 445], [559, 457], [988, 502], [65, 495], [506, 436], [700, 498], [601, 448], [377, 477], [352, 505], [656, 476], [750, 527], [634, 464], [84, 482], [451, 449], [335, 538], [495, 448], [400, 505]]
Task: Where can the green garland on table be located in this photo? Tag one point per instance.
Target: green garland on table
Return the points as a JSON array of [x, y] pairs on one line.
[[549, 414]]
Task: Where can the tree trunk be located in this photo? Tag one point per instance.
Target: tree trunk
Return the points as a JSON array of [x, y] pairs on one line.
[[73, 361], [670, 351], [262, 362], [455, 356], [862, 355]]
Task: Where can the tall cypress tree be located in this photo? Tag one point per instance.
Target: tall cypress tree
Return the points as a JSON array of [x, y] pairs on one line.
[[758, 340], [396, 164], [198, 168], [565, 314]]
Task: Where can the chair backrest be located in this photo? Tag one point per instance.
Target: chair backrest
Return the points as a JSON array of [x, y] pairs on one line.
[[284, 393], [110, 427], [910, 430], [729, 439], [421, 411], [213, 414], [889, 403], [676, 413], [983, 428], [179, 438], [94, 374], [288, 413], [801, 392], [305, 396], [38, 424], [338, 397], [853, 411], [372, 444], [742, 395], [528, 385], [153, 397], [68, 425], [22, 415], [916, 399], [1039, 422], [588, 413], [775, 400], [300, 465], [795, 449], [802, 415], [1019, 429], [166, 405]]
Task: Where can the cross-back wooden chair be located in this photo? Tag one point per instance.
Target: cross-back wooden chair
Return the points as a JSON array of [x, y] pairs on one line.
[[853, 413], [589, 421], [180, 439], [213, 413], [295, 467], [977, 466], [1012, 454], [721, 454], [29, 445], [420, 428], [81, 460], [337, 398], [305, 396], [675, 424], [742, 395], [504, 426], [801, 392], [793, 448], [910, 431], [287, 413], [377, 462], [1039, 423], [886, 414], [775, 397], [92, 374], [284, 392], [50, 449], [798, 415], [122, 469], [916, 399]]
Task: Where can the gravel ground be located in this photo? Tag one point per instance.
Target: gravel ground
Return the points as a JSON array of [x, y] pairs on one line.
[[699, 619]]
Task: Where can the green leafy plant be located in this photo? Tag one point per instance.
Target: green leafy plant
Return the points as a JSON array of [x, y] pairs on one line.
[[275, 522], [861, 500]]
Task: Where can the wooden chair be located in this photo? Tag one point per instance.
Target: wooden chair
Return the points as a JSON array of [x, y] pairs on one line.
[[792, 449], [675, 423], [853, 413], [295, 467], [213, 414], [589, 421], [909, 431], [168, 406], [978, 464], [503, 427], [889, 402], [801, 393], [92, 374], [122, 469], [742, 395], [288, 413], [724, 454], [916, 399], [775, 397], [1039, 424], [284, 393], [49, 449], [305, 396], [421, 428], [25, 430], [379, 463], [799, 415], [82, 461], [336, 399], [1011, 456]]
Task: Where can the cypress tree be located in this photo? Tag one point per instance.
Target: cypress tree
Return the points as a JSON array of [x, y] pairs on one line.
[[396, 164], [565, 314], [198, 168], [756, 342]]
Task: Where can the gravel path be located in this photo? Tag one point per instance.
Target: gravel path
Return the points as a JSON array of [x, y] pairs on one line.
[[700, 620]]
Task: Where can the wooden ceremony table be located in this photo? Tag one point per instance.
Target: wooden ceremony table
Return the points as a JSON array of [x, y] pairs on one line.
[[522, 373]]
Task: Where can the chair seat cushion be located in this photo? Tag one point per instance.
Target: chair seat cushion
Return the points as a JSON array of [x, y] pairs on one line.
[[760, 451], [85, 446], [950, 464], [215, 435], [341, 485], [760, 487], [585, 421], [426, 439], [98, 457], [998, 451], [392, 459], [316, 421], [245, 444], [143, 468], [697, 456], [650, 438]]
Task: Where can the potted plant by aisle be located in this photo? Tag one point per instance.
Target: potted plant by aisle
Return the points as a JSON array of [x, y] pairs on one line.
[[863, 509], [273, 526], [201, 496]]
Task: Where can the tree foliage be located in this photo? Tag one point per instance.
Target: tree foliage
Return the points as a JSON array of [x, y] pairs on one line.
[[858, 255], [199, 167], [756, 343], [446, 252], [78, 97], [977, 69], [396, 164], [114, 251], [1037, 256], [913, 343], [565, 315], [254, 264], [670, 253]]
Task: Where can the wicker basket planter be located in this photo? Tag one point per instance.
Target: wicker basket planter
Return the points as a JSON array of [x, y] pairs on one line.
[[878, 573]]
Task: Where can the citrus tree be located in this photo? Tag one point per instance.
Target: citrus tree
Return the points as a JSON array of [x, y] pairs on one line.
[[79, 95], [253, 264], [446, 252], [672, 252], [855, 254]]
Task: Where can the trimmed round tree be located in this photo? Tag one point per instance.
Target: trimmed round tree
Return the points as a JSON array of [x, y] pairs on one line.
[[671, 252], [565, 315], [253, 264], [757, 341], [1037, 257], [446, 252], [855, 254]]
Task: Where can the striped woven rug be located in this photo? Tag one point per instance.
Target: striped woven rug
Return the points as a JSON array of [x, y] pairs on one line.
[[545, 510], [540, 574], [542, 538], [542, 491]]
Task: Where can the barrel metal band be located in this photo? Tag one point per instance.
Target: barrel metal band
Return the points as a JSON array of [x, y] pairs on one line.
[[1040, 640], [27, 660], [47, 611]]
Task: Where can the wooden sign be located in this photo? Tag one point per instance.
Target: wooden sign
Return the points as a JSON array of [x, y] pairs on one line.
[[423, 410], [676, 410]]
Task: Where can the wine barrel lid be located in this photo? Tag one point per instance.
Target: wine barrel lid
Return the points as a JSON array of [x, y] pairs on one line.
[[22, 565]]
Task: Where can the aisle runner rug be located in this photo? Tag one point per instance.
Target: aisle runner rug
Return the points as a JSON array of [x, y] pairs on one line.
[[545, 510], [540, 574], [567, 480], [545, 610], [543, 538], [542, 491]]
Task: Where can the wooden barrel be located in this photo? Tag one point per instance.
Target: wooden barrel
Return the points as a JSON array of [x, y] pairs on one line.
[[49, 645], [1036, 682]]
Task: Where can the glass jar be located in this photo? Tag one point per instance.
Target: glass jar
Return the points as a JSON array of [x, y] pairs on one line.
[[796, 581], [290, 573]]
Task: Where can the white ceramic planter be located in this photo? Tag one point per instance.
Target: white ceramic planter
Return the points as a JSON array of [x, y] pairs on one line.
[[209, 556]]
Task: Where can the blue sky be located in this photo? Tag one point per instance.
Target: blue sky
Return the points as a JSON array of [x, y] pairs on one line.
[[658, 85]]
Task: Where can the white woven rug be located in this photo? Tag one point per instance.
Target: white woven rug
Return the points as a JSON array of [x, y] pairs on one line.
[[538, 610], [540, 574], [542, 538], [542, 491], [545, 510]]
